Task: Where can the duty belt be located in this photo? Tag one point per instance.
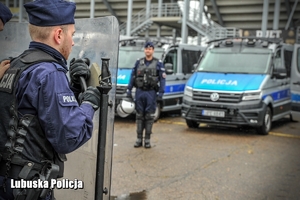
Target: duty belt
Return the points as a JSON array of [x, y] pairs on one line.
[[20, 168]]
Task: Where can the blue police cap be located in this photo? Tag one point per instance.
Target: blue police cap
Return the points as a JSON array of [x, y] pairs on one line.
[[50, 12], [149, 44], [5, 14]]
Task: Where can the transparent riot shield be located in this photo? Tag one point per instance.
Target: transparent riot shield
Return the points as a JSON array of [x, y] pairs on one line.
[[94, 39]]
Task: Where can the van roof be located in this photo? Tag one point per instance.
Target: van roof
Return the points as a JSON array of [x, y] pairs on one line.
[[187, 46], [247, 42]]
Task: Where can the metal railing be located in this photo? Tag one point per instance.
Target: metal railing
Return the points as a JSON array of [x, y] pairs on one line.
[[139, 22], [208, 28], [166, 10]]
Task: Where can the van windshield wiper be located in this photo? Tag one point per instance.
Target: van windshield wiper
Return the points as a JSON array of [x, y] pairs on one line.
[[235, 72], [207, 71], [125, 68]]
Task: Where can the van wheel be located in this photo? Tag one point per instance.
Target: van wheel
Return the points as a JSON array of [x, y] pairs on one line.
[[192, 124], [157, 112], [267, 123], [292, 119]]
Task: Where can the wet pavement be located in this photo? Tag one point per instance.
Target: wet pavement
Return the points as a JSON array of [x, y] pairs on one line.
[[209, 162]]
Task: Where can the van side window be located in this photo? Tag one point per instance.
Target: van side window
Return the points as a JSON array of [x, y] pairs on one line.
[[171, 58], [189, 58], [288, 61], [298, 59], [278, 63], [277, 60]]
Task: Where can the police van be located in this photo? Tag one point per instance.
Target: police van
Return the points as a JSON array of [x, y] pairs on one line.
[[178, 61], [128, 55], [243, 82]]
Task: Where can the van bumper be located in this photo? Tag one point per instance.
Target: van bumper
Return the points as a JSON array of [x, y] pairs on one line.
[[248, 113]]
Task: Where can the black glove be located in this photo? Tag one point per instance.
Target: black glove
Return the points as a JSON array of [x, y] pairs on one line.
[[129, 95], [90, 96], [159, 99], [79, 68]]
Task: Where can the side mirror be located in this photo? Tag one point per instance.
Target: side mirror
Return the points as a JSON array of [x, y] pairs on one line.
[[279, 73], [169, 68], [194, 67]]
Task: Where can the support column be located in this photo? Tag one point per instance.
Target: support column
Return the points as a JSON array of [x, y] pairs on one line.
[[174, 35], [291, 15], [185, 16], [201, 6], [21, 2], [158, 31], [129, 14], [92, 9], [148, 5], [159, 7], [276, 15], [264, 23]]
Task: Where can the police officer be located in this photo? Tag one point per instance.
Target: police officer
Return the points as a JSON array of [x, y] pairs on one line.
[[41, 119], [148, 76], [5, 16]]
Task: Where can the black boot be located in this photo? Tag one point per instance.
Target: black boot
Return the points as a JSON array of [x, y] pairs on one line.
[[147, 143], [138, 142], [148, 129], [139, 130]]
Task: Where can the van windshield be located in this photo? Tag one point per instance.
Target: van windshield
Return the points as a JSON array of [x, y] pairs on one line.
[[128, 56], [253, 61]]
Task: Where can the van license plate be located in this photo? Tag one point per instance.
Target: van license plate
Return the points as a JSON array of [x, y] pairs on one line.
[[213, 113]]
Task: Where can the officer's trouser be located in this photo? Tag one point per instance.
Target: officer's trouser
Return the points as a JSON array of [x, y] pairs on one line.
[[149, 120], [140, 125]]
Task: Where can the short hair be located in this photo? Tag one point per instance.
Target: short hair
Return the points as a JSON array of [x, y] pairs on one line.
[[43, 33]]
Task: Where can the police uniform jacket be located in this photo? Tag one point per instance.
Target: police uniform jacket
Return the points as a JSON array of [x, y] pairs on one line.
[[43, 91], [160, 71]]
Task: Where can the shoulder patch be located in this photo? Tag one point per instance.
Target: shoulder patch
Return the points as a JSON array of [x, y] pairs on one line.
[[67, 99], [7, 81]]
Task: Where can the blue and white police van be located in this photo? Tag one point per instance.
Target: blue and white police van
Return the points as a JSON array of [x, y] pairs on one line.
[[243, 82], [178, 61]]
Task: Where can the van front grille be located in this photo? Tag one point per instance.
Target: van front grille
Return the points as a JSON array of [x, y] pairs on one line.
[[223, 97], [121, 89]]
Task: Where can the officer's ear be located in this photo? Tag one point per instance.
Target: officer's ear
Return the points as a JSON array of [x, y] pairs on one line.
[[1, 25], [58, 35]]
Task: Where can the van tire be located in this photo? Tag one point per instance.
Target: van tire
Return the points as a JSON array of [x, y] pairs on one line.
[[191, 123], [267, 123], [157, 112]]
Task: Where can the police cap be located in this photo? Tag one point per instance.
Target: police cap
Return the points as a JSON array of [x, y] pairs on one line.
[[5, 14], [50, 12], [149, 44]]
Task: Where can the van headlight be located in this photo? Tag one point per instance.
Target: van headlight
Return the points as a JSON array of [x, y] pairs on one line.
[[251, 96], [188, 91]]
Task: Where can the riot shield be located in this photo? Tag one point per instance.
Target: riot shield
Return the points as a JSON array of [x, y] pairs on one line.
[[94, 39]]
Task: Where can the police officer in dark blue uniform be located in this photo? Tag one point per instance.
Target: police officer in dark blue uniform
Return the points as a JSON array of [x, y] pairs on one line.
[[41, 119], [5, 16], [148, 76]]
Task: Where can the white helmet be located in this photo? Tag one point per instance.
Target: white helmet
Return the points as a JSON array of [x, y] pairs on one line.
[[125, 108]]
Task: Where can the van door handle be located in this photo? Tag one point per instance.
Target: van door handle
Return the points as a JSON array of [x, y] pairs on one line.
[[177, 79], [184, 78], [297, 83]]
